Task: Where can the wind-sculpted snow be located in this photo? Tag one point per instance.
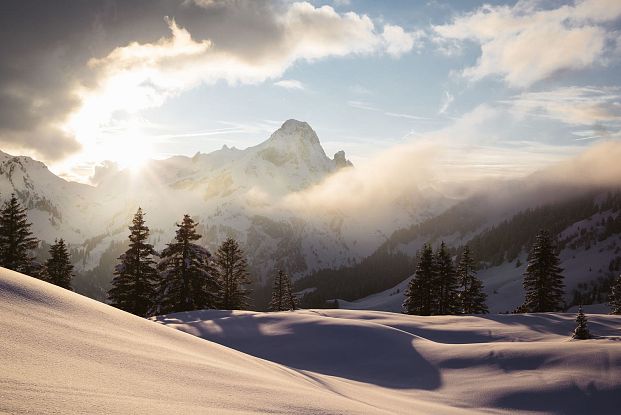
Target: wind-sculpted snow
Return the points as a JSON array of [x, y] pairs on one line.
[[62, 353], [492, 363]]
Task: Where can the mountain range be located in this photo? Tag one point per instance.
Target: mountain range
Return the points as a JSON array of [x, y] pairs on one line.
[[240, 193]]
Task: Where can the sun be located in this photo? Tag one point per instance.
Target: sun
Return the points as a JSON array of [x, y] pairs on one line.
[[130, 152]]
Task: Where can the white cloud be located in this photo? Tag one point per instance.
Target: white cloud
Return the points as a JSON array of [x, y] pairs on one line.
[[446, 102], [571, 105], [526, 43], [398, 41], [290, 84], [144, 75], [362, 105]]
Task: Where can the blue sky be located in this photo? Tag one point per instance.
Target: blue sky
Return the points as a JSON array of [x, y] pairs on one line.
[[527, 82]]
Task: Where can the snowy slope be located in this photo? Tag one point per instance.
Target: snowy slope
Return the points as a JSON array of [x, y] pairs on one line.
[[454, 364], [62, 353], [590, 252]]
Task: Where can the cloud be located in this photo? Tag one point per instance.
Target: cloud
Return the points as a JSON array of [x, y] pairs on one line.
[[290, 84], [45, 81], [526, 43], [463, 154], [597, 166], [446, 102], [144, 75], [398, 42], [571, 105]]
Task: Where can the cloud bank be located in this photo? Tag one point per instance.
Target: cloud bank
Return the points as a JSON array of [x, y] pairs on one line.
[[527, 42]]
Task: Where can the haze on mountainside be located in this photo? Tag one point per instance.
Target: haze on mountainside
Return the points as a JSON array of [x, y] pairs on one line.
[[336, 202]]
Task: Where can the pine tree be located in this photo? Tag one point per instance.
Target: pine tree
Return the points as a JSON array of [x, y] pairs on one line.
[[189, 281], [582, 331], [58, 268], [615, 297], [420, 292], [135, 276], [472, 298], [233, 276], [543, 282], [16, 240], [282, 294], [445, 283]]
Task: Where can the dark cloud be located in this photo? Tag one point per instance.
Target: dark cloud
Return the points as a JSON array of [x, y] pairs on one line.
[[46, 45]]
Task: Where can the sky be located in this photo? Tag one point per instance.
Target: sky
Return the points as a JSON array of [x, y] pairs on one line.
[[505, 87]]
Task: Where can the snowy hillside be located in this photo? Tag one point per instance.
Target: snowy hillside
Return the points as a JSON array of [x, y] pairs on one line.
[[406, 364], [230, 192], [588, 226], [62, 353]]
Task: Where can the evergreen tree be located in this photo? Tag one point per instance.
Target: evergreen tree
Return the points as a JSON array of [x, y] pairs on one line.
[[233, 276], [472, 298], [16, 240], [582, 331], [135, 276], [445, 283], [420, 292], [282, 295], [58, 268], [543, 282], [615, 297], [189, 281]]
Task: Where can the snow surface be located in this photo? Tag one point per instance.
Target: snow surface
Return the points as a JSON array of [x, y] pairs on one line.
[[64, 353], [451, 364]]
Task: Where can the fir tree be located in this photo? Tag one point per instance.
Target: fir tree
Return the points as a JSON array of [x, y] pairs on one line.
[[420, 292], [282, 295], [58, 268], [232, 275], [135, 276], [445, 283], [543, 282], [472, 298], [582, 331], [615, 297], [189, 281], [16, 240]]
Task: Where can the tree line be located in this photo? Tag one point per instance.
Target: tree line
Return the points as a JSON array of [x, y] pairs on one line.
[[440, 287], [184, 276]]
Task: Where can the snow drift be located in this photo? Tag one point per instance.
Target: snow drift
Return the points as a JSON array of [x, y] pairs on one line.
[[443, 364], [64, 353]]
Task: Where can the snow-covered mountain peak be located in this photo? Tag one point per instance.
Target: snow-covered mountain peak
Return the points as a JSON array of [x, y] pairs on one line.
[[297, 138]]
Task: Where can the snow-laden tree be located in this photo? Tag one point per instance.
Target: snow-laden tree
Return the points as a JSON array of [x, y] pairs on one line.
[[472, 297], [135, 276], [282, 294], [58, 268], [615, 297], [445, 283], [16, 240], [543, 281], [188, 279], [233, 276], [420, 291], [582, 331]]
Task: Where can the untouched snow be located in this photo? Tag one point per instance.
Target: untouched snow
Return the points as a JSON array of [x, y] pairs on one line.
[[453, 364], [64, 353]]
